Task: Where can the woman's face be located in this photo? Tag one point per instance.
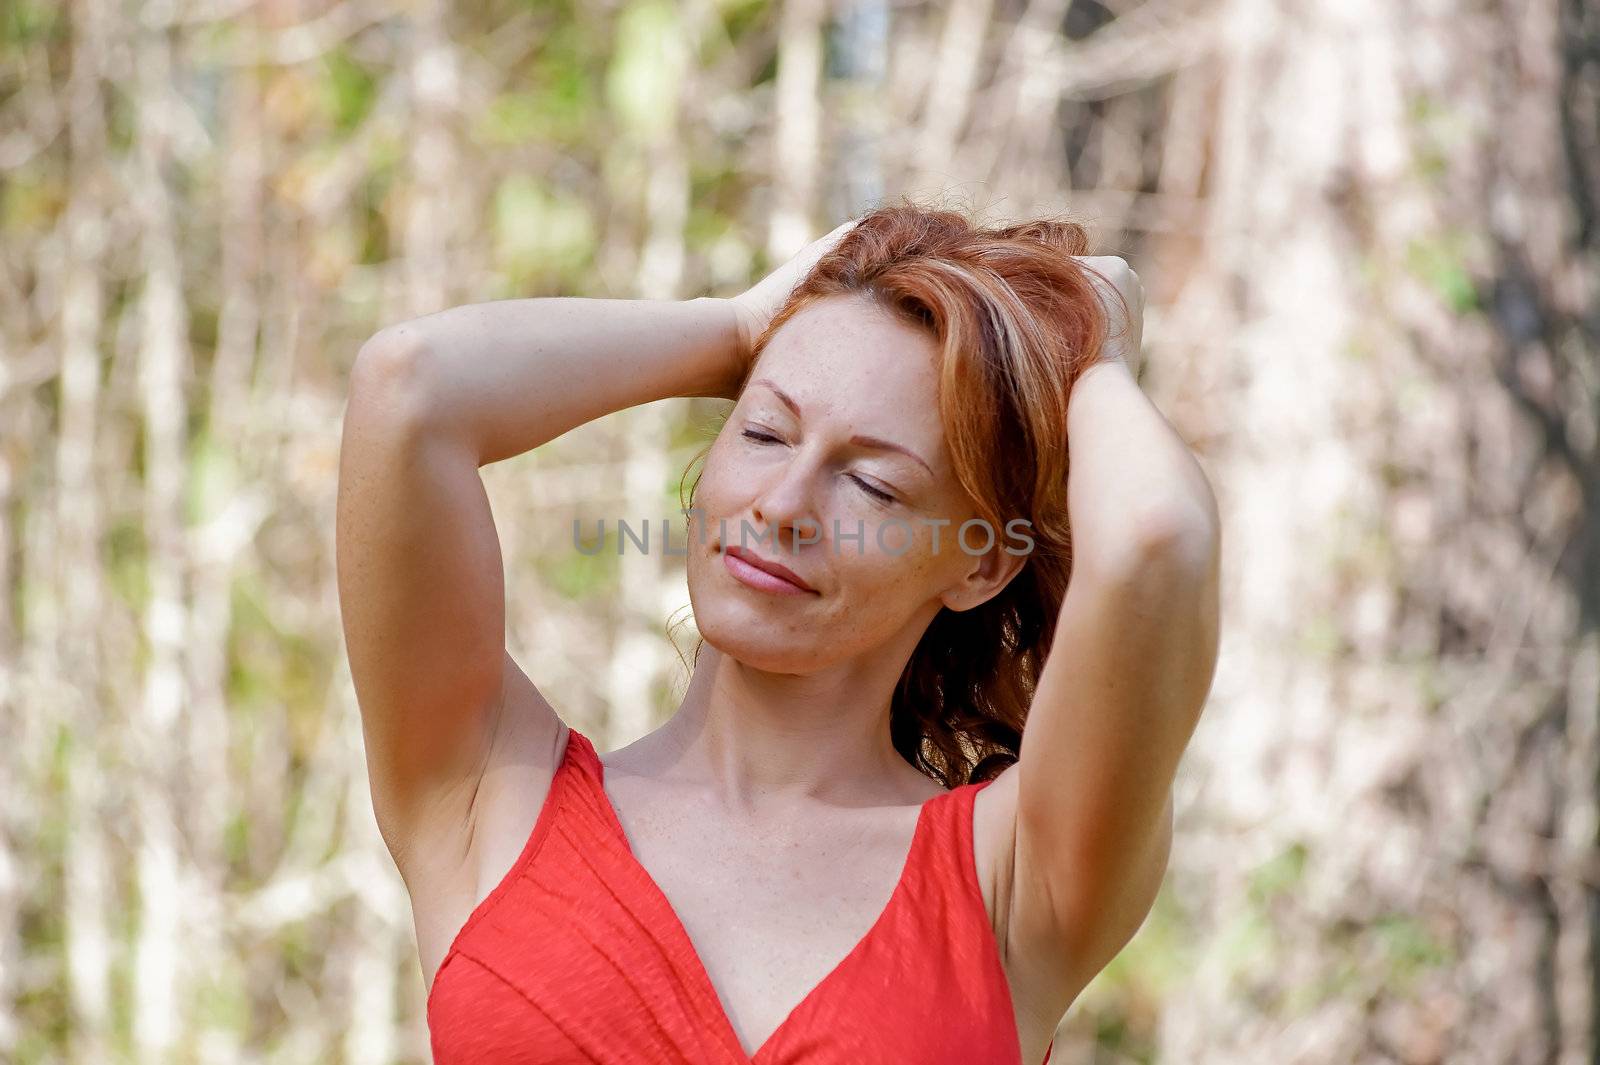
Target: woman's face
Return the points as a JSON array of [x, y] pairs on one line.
[[833, 464]]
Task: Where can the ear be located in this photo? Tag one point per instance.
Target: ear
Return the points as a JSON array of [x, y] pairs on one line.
[[985, 576]]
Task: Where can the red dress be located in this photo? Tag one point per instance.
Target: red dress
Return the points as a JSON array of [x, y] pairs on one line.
[[576, 956]]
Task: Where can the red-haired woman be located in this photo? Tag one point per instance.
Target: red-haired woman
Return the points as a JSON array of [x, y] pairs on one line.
[[918, 791]]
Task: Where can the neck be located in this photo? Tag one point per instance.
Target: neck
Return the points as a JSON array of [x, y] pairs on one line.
[[755, 736]]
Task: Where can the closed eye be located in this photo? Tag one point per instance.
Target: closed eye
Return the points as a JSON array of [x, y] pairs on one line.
[[874, 492], [767, 438]]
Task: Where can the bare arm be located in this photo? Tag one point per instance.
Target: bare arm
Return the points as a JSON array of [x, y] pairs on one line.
[[507, 376], [1129, 670], [421, 587]]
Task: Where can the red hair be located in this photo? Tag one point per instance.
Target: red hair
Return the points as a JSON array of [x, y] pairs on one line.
[[1015, 319]]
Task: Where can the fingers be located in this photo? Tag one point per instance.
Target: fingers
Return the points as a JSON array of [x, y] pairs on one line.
[[824, 244], [1114, 271]]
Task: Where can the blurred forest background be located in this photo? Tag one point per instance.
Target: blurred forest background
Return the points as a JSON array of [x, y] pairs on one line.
[[1371, 236]]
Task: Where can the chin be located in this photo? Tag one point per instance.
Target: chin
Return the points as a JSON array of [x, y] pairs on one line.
[[738, 630]]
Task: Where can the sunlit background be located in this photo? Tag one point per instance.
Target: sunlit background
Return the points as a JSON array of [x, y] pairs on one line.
[[1370, 231]]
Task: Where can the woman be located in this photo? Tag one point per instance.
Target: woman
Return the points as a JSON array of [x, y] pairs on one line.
[[841, 847]]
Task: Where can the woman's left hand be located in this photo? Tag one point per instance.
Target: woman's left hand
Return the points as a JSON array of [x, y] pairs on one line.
[[757, 304], [1125, 336]]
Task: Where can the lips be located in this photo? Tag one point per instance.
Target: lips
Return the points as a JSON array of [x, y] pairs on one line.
[[770, 567]]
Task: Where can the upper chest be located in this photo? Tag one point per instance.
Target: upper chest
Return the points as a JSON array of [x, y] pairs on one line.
[[772, 905], [777, 909]]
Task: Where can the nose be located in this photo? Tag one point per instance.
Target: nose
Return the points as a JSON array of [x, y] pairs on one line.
[[784, 509]]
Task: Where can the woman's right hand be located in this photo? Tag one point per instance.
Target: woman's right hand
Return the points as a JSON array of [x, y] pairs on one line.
[[1121, 293], [755, 306]]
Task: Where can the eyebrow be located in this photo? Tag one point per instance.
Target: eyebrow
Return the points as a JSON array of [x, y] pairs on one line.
[[859, 439]]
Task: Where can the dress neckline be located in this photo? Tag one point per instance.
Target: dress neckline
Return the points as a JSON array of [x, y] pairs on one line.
[[702, 975]]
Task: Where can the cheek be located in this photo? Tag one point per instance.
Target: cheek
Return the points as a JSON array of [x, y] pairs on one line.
[[884, 575], [725, 477], [711, 496]]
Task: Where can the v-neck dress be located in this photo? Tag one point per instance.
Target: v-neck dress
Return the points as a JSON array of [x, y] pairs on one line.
[[576, 956]]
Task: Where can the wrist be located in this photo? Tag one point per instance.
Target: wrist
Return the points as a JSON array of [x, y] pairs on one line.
[[725, 363]]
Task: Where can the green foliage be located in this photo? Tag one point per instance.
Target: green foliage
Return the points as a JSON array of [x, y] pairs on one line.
[[42, 1007], [121, 118], [554, 98], [540, 230], [348, 89], [213, 478], [374, 228], [1441, 262], [741, 18], [299, 950], [1439, 132], [561, 110], [273, 666], [1245, 941], [513, 118], [24, 22], [647, 68], [32, 199], [1114, 1034], [222, 1001], [370, 224], [127, 563], [1279, 875], [1408, 947], [578, 575], [250, 631], [716, 182], [236, 840]]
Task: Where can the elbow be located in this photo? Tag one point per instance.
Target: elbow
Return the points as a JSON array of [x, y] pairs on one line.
[[1169, 541], [1186, 536], [393, 358], [1176, 531], [1185, 529], [393, 374]]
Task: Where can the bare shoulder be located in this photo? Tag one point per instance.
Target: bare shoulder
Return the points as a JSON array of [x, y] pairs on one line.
[[458, 855]]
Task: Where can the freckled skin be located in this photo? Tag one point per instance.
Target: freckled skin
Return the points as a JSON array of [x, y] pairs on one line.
[[852, 369]]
